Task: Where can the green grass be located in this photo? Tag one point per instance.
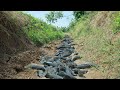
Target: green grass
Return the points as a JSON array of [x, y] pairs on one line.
[[40, 32], [43, 37], [116, 22], [97, 45]]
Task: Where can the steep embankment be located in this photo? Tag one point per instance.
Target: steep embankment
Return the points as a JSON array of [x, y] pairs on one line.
[[13, 39], [20, 32], [97, 42]]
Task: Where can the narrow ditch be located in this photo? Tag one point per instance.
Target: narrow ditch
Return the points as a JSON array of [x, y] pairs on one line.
[[62, 65]]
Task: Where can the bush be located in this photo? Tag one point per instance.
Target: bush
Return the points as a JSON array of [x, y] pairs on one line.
[[40, 32], [78, 14], [116, 23]]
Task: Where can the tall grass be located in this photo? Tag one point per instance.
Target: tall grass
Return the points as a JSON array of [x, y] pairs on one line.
[[40, 32], [43, 37], [116, 22], [99, 46]]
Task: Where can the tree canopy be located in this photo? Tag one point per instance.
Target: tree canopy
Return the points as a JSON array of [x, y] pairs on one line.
[[53, 16]]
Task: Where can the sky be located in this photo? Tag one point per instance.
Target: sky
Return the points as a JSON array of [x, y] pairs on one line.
[[64, 22]]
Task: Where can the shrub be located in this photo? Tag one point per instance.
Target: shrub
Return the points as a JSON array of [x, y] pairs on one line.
[[116, 23], [40, 32]]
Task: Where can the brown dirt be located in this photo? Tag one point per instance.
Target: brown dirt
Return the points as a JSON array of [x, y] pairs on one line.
[[13, 39], [102, 19], [93, 73], [13, 68], [16, 63], [16, 50], [50, 50]]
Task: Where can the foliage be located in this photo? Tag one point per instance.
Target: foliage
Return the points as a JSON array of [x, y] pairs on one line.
[[98, 45], [53, 16], [71, 25], [43, 37], [63, 29], [116, 23], [78, 14], [40, 32]]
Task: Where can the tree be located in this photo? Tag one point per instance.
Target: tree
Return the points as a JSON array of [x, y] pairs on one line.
[[78, 14], [53, 16]]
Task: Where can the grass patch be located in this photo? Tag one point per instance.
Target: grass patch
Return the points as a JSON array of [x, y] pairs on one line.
[[116, 22], [98, 45], [40, 32]]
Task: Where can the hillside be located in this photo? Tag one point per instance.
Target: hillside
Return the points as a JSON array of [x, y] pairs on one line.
[[20, 35], [13, 39], [97, 42]]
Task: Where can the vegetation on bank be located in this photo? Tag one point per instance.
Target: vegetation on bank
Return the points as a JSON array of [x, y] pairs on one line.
[[116, 22], [40, 32], [98, 39], [96, 33]]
